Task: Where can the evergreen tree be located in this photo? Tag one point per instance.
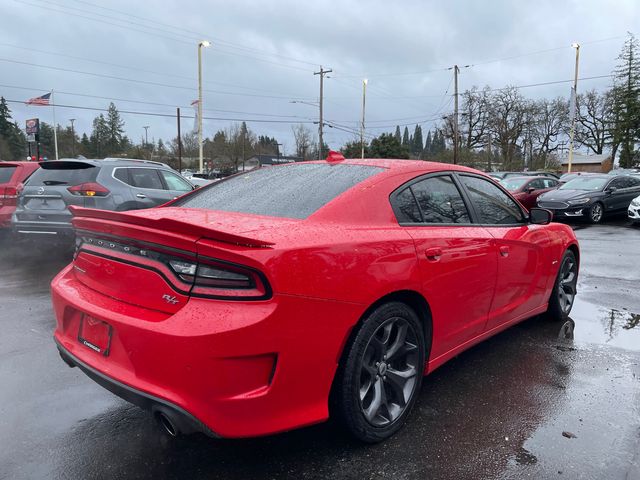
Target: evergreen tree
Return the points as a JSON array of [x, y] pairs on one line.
[[427, 145], [626, 103], [417, 145], [397, 135], [113, 143], [99, 138], [387, 146], [12, 138], [405, 138], [86, 146]]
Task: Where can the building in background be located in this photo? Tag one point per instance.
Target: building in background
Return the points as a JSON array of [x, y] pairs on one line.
[[588, 163]]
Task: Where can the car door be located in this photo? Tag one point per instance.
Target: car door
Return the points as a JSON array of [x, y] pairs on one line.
[[457, 260], [521, 285], [147, 187], [175, 183], [529, 200], [620, 191]]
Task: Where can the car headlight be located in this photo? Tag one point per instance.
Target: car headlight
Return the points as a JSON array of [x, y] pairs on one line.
[[636, 202], [580, 201]]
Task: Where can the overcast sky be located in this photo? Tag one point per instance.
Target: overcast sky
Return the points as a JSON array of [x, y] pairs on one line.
[[264, 54]]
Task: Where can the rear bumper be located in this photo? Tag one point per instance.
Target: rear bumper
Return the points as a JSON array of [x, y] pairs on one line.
[[241, 368], [183, 420], [42, 229], [5, 215]]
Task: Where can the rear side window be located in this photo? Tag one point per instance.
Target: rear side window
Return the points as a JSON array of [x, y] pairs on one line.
[[63, 173], [175, 182], [436, 199], [493, 206], [293, 191], [145, 178], [550, 183], [6, 173]]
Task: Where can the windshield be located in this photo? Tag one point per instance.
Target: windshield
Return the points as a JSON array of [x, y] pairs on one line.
[[513, 183], [585, 183], [294, 191]]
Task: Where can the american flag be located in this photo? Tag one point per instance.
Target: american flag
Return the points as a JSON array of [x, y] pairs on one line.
[[41, 100]]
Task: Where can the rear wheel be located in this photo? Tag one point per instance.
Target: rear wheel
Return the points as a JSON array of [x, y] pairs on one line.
[[382, 373], [564, 290], [596, 212]]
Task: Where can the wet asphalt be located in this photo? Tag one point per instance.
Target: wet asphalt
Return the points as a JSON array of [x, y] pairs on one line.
[[527, 403]]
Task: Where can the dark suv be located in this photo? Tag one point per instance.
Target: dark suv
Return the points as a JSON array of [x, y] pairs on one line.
[[109, 184]]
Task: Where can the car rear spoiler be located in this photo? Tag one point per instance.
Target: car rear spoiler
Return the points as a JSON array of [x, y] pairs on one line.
[[165, 224]]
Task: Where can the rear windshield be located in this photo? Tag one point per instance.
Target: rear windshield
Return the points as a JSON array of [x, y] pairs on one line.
[[63, 173], [294, 191], [6, 173]]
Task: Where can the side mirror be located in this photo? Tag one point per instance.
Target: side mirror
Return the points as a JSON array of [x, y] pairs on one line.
[[540, 216], [195, 187], [611, 190]]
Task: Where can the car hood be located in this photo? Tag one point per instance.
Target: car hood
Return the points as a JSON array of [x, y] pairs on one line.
[[563, 195]]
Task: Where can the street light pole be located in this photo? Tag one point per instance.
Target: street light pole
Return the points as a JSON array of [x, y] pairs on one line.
[[73, 138], [146, 137], [322, 73], [205, 44], [456, 70], [574, 104], [364, 96]]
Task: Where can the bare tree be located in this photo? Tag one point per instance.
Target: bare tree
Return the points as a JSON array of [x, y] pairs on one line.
[[304, 139], [508, 115], [549, 118], [475, 118], [595, 119]]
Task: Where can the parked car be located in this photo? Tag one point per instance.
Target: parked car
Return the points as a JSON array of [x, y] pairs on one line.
[[565, 177], [269, 291], [109, 184], [592, 196], [542, 173], [527, 189], [12, 174], [501, 175], [634, 210], [624, 171]]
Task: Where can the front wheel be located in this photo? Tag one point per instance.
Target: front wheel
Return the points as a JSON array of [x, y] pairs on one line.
[[596, 212], [564, 290], [381, 375]]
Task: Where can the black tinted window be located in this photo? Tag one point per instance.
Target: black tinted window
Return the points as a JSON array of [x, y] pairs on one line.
[[537, 184], [63, 173], [294, 191], [145, 178], [406, 208], [440, 201], [6, 173], [492, 205], [122, 174]]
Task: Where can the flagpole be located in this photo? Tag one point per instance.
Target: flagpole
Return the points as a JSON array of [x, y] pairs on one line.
[[55, 127]]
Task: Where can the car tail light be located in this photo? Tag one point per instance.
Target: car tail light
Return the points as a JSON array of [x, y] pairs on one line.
[[10, 196], [90, 189], [217, 279]]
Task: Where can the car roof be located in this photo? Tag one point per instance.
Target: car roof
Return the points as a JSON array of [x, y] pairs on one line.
[[124, 162], [393, 165]]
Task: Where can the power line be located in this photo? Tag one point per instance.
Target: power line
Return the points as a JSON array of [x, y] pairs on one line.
[[168, 115], [129, 67], [141, 102], [143, 82]]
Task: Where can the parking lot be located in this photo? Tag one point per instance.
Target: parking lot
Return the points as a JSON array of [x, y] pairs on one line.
[[528, 403]]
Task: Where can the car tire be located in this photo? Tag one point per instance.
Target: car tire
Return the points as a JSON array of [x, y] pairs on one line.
[[596, 212], [380, 376], [564, 289]]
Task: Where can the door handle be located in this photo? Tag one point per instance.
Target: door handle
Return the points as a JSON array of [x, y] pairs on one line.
[[141, 195], [433, 254], [504, 251]]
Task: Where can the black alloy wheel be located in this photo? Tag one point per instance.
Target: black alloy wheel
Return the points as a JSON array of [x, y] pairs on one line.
[[565, 288], [382, 372]]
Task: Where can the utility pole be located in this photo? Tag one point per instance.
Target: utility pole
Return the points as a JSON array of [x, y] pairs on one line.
[[364, 96], [574, 104], [146, 137], [322, 73], [456, 70], [201, 45], [73, 138], [179, 141], [278, 145]]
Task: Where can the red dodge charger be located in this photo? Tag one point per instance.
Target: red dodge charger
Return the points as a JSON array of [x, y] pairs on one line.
[[241, 308]]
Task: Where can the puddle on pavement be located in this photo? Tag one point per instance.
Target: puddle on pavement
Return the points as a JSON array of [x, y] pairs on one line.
[[615, 327]]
